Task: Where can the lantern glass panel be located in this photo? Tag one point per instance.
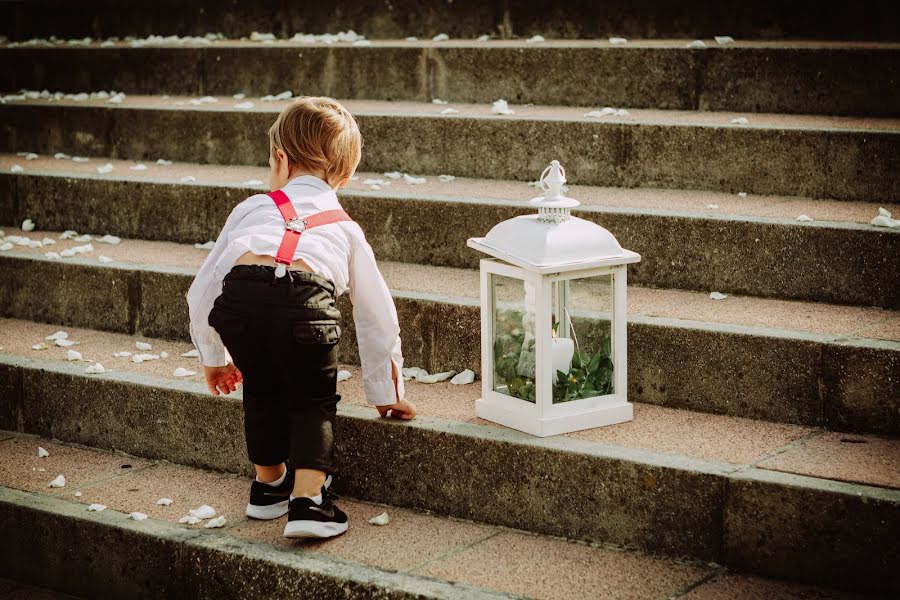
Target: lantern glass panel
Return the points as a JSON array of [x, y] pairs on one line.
[[513, 314], [583, 313]]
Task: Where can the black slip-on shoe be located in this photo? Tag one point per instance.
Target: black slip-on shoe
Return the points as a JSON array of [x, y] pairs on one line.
[[270, 502], [307, 519]]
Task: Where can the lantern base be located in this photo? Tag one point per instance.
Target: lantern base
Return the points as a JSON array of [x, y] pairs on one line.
[[544, 427]]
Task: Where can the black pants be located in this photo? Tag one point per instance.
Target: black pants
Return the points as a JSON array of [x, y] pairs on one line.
[[282, 334]]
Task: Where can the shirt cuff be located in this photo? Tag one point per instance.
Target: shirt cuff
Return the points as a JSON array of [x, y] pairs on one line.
[[381, 392], [213, 355]]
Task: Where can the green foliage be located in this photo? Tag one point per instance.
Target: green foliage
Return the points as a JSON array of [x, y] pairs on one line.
[[590, 375]]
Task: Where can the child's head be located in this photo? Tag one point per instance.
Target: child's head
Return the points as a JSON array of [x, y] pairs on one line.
[[314, 135]]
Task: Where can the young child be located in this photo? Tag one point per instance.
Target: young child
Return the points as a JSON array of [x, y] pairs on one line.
[[265, 299]]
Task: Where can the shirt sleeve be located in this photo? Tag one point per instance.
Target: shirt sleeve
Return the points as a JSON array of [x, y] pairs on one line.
[[377, 327], [206, 287]]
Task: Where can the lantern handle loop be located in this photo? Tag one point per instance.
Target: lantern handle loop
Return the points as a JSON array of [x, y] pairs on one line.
[[543, 179]]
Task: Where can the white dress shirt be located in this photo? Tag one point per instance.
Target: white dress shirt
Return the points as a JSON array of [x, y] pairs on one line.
[[338, 251]]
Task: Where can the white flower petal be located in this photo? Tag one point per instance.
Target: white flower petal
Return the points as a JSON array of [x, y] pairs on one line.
[[192, 353], [96, 507], [143, 346], [205, 246], [740, 121], [138, 167], [697, 44], [244, 105], [39, 347], [618, 40], [164, 501], [73, 355], [16, 169], [804, 218], [27, 225], [137, 516], [441, 37], [105, 259], [122, 354], [59, 482], [723, 40], [112, 240], [59, 335], [64, 343], [107, 168], [717, 296], [95, 369], [203, 512], [188, 179], [464, 378], [449, 111], [42, 452], [215, 523], [343, 376], [446, 178], [438, 101], [501, 107], [414, 180], [163, 162], [535, 39], [182, 372], [382, 519], [189, 520]]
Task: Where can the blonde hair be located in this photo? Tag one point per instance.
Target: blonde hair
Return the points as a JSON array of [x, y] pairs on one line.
[[320, 135]]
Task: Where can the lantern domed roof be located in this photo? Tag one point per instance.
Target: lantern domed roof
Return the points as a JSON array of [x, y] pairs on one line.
[[552, 239]]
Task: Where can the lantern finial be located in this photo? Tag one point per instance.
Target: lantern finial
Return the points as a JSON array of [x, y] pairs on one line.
[[553, 207]]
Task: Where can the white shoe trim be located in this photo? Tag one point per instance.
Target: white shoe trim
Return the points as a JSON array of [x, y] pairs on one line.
[[313, 529], [267, 513]]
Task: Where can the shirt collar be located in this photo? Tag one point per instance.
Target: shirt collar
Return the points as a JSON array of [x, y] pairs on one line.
[[310, 180]]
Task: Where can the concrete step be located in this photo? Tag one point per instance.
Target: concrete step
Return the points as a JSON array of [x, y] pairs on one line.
[[813, 156], [688, 239], [873, 19], [783, 361], [779, 500], [417, 555], [832, 78]]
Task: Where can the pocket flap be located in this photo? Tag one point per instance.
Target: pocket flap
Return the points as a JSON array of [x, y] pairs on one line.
[[317, 332]]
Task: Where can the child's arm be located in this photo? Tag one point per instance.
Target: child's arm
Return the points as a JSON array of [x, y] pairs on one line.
[[221, 375], [377, 332]]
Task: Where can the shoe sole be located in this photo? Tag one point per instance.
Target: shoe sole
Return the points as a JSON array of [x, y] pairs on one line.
[[313, 529], [267, 513]]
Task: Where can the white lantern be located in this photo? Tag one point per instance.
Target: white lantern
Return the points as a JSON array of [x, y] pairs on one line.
[[553, 319]]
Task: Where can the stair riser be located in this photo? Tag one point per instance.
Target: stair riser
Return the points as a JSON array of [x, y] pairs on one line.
[[462, 18], [728, 370], [104, 555], [775, 80], [680, 252], [818, 163], [654, 502]]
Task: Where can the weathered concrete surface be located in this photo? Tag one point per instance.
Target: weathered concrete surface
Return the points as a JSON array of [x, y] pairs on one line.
[[809, 79], [58, 545], [264, 571], [725, 369], [725, 372], [787, 526], [106, 555], [10, 397], [827, 262], [658, 502], [632, 503], [463, 18], [818, 163], [862, 388], [41, 290]]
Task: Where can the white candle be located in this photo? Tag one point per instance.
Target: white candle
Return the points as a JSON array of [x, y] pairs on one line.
[[563, 349]]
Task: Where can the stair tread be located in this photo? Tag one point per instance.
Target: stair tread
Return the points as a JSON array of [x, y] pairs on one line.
[[652, 117], [488, 557], [759, 315], [549, 42], [694, 203], [735, 441]]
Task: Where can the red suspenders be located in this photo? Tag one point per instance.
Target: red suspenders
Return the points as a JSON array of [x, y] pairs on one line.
[[294, 226]]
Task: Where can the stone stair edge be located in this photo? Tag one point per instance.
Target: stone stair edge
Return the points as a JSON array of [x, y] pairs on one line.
[[481, 111], [727, 500], [740, 79], [502, 19], [437, 338], [209, 180], [608, 154], [399, 292], [224, 557]]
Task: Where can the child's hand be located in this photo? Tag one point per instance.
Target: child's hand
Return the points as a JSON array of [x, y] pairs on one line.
[[222, 379], [403, 410]]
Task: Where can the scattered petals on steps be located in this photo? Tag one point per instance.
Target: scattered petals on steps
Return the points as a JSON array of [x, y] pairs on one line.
[[59, 482], [382, 519]]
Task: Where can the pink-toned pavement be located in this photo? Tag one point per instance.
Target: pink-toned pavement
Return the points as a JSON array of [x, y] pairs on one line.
[[797, 449], [712, 204], [789, 315], [417, 543]]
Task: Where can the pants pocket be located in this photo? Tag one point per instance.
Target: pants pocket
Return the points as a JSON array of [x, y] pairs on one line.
[[230, 326]]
